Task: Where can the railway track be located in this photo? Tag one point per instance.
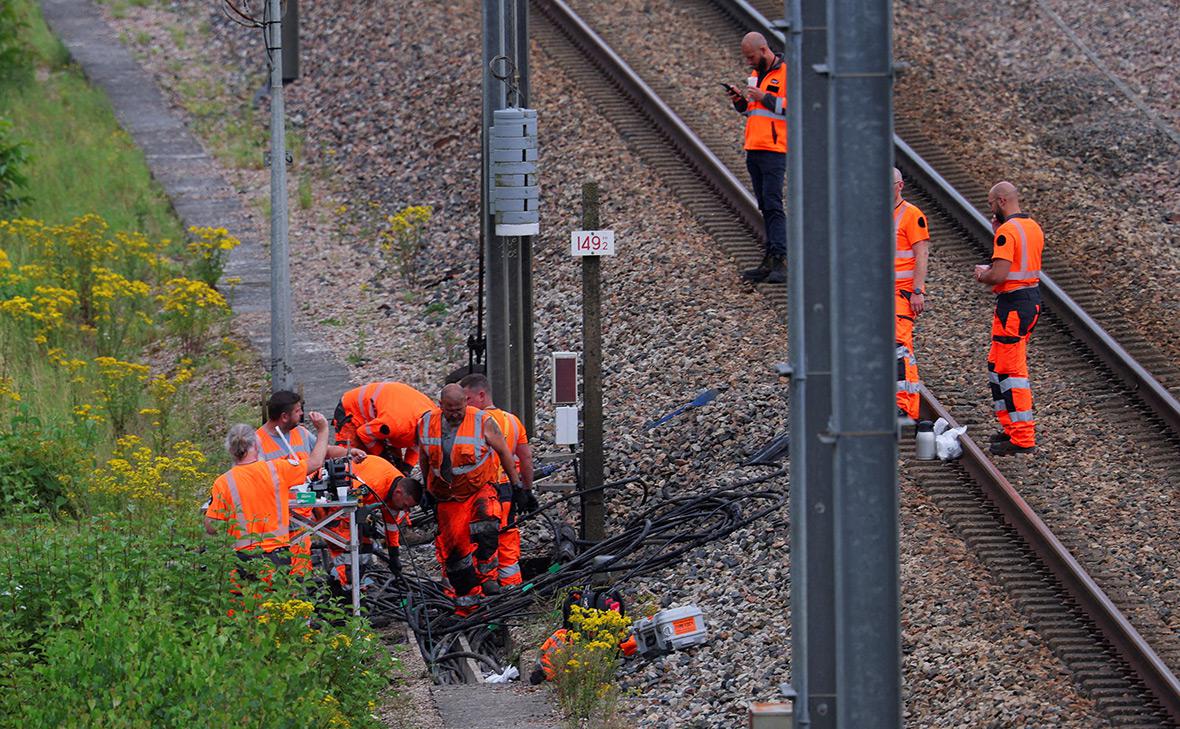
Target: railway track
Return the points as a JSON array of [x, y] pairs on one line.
[[1113, 664]]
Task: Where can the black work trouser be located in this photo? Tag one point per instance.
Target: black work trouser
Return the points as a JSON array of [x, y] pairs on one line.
[[767, 172]]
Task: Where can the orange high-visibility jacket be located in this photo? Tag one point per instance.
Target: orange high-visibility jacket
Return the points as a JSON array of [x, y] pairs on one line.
[[909, 225], [379, 475], [299, 439], [766, 122], [386, 412], [514, 435], [254, 499], [1021, 241], [473, 462]]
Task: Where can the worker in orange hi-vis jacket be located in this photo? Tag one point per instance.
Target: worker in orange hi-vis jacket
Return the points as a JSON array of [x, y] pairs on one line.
[[459, 446], [1014, 275], [479, 395], [382, 418], [909, 286]]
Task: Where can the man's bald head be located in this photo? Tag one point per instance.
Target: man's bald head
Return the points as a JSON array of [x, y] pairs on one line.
[[756, 51], [898, 183], [453, 403], [896, 175], [1003, 199]]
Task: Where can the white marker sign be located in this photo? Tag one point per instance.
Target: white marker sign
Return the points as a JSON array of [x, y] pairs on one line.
[[592, 243]]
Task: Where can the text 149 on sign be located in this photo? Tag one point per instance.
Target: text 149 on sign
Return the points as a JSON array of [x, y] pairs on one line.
[[592, 243]]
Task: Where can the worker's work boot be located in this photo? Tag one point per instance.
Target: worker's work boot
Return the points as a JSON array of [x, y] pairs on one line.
[[759, 274], [778, 270]]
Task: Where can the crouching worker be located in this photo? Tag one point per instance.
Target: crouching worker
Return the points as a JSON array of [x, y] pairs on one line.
[[376, 483], [456, 444], [252, 498]]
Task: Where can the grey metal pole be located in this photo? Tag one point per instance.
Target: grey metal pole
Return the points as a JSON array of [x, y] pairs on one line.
[[813, 627], [864, 420], [280, 272], [593, 508]]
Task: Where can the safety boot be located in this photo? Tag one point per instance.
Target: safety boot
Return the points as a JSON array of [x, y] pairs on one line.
[[1007, 448], [759, 274], [778, 270], [1000, 437]]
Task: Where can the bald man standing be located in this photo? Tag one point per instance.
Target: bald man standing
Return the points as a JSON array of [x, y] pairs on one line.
[[763, 101], [458, 446], [1014, 275]]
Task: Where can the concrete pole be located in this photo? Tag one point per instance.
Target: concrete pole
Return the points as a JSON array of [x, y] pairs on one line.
[[593, 508], [864, 421], [494, 97], [813, 625], [280, 271]]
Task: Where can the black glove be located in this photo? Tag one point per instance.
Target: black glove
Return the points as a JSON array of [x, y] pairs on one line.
[[524, 501], [395, 562]]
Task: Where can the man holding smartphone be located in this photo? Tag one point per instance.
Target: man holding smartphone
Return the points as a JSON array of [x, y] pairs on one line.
[[764, 104]]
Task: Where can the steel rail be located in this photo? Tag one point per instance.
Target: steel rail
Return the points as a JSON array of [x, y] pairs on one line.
[[1123, 636], [683, 139]]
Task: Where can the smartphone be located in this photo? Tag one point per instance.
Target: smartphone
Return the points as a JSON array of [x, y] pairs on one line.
[[729, 87]]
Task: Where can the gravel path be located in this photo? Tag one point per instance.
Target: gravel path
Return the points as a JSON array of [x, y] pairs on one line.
[[970, 661]]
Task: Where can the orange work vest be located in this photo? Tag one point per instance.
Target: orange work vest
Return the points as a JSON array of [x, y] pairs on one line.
[[1021, 241], [766, 122], [909, 227], [386, 412], [514, 435], [298, 439], [254, 499], [473, 462]]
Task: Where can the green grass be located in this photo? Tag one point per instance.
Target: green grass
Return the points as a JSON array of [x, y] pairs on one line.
[[81, 161]]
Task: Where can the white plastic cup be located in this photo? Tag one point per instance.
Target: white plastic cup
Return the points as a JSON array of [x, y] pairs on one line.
[[342, 493]]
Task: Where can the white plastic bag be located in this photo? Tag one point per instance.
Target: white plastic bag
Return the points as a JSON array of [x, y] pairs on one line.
[[509, 674], [946, 440]]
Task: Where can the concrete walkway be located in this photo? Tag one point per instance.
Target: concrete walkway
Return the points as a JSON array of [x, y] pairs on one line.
[[201, 196], [192, 180]]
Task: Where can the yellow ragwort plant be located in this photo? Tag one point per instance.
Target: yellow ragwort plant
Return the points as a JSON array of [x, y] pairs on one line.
[[137, 472], [585, 666], [401, 241], [209, 248], [190, 308], [119, 385]]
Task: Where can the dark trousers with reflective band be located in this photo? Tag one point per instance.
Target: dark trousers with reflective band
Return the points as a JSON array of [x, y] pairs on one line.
[[907, 364], [1007, 363], [767, 172]]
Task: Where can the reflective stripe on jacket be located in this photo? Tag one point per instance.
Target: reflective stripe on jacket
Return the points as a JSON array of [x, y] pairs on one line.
[[1021, 241], [766, 121], [473, 462], [386, 412], [298, 439], [514, 435]]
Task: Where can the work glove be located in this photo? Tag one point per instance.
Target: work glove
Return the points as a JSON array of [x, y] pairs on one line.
[[524, 501]]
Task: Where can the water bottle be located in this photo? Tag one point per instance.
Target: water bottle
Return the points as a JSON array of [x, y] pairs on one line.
[[925, 438]]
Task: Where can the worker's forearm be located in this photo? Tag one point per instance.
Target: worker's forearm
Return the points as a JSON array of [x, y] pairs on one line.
[[524, 457], [921, 260]]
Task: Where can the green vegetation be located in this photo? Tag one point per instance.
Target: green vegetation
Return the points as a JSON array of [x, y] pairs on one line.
[[116, 374], [65, 126]]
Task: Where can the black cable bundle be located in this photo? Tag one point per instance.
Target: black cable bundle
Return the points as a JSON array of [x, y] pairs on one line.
[[651, 539]]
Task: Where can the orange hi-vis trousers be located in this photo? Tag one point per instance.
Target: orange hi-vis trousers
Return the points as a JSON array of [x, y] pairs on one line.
[[467, 544], [907, 364], [509, 552], [1007, 363]]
